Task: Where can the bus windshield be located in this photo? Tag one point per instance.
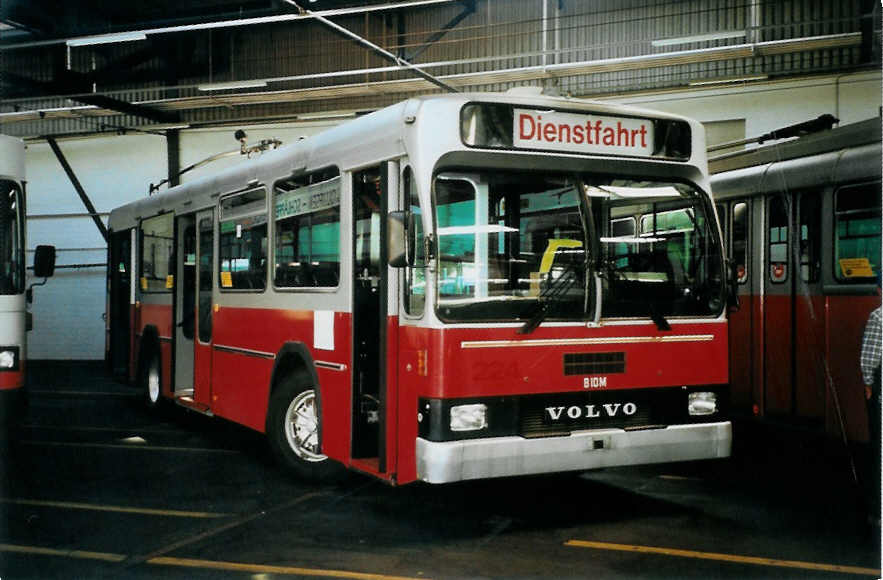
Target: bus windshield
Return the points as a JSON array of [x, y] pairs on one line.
[[510, 243], [11, 244]]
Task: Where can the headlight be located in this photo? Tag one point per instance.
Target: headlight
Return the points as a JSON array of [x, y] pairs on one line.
[[702, 403], [469, 417], [8, 358]]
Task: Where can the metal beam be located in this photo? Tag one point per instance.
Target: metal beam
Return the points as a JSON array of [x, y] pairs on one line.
[[76, 183], [468, 10], [173, 153], [78, 87], [126, 108], [381, 51]]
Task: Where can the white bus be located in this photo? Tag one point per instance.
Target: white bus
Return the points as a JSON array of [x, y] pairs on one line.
[[455, 287], [13, 314]]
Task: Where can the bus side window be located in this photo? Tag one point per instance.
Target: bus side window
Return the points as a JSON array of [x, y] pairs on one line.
[[415, 276], [157, 245], [307, 239], [242, 247], [857, 232], [739, 245], [810, 236], [778, 240]]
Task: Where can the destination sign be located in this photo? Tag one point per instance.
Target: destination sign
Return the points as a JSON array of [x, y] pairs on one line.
[[308, 199], [576, 133]]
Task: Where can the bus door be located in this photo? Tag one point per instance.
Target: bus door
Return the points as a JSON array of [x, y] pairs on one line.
[[809, 311], [185, 303], [794, 311], [193, 307], [205, 280], [744, 390], [122, 302], [373, 394], [778, 320]]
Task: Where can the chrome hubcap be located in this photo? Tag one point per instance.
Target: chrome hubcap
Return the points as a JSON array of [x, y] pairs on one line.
[[153, 382], [302, 427]]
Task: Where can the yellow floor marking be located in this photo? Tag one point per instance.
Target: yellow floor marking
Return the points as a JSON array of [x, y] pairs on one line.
[[725, 557], [133, 446], [83, 393], [204, 564], [113, 508], [80, 554], [144, 429], [263, 569]]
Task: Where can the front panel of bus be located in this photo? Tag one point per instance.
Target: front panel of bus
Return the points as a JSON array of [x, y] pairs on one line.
[[12, 299], [567, 312]]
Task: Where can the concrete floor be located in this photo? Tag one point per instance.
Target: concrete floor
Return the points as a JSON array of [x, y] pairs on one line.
[[95, 487]]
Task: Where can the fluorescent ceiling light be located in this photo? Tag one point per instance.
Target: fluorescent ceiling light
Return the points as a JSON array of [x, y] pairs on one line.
[[107, 39], [729, 80], [700, 38], [326, 115], [167, 126], [232, 85]]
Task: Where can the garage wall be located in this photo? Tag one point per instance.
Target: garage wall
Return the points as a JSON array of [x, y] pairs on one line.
[[68, 310], [768, 106], [115, 170]]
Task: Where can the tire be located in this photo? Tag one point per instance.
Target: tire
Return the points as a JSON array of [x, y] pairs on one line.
[[293, 433], [150, 379]]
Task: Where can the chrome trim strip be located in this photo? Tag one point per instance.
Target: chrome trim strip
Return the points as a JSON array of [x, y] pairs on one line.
[[330, 365], [467, 344], [166, 338], [245, 351]]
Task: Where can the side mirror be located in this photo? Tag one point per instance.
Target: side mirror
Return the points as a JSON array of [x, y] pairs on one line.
[[44, 261], [401, 243]]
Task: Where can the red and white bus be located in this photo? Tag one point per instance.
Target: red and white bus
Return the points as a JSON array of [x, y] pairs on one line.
[[455, 287], [14, 317], [802, 219]]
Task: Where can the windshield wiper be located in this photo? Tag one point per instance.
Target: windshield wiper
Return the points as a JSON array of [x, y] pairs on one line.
[[657, 317], [553, 291]]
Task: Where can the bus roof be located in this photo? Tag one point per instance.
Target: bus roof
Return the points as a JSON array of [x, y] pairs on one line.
[[852, 135], [850, 153], [372, 137]]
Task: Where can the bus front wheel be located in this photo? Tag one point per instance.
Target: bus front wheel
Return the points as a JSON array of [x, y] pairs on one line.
[[151, 380], [293, 432]]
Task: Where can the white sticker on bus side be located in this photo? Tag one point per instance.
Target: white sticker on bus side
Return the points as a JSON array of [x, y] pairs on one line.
[[323, 329]]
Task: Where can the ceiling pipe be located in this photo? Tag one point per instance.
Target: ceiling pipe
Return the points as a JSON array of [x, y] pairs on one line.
[[241, 22]]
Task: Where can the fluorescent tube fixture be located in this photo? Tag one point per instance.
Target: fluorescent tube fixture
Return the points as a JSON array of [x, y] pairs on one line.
[[232, 85], [724, 35], [728, 81], [107, 39], [328, 115]]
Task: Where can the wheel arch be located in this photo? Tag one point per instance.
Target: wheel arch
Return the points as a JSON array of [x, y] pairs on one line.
[[294, 360], [149, 342]]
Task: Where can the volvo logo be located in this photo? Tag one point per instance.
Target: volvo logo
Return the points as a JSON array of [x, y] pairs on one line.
[[591, 411]]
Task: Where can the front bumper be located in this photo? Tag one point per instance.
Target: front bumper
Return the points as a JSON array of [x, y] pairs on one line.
[[449, 461]]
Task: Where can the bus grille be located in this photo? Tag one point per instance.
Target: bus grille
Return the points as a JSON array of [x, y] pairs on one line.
[[562, 414], [594, 363]]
